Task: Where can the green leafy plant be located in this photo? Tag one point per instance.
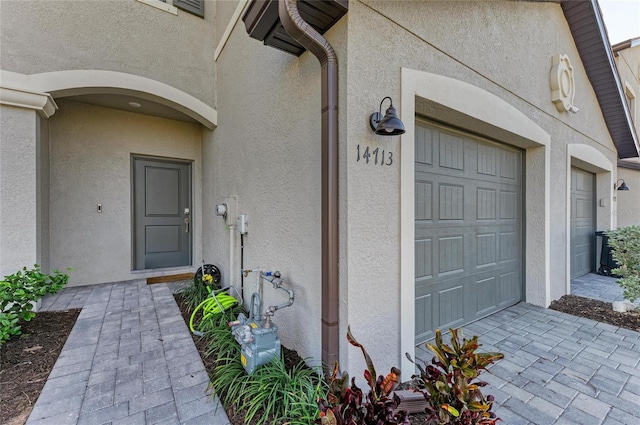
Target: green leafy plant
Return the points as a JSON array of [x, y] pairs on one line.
[[8, 326], [272, 391], [19, 292], [349, 406], [450, 385], [625, 243], [194, 293]]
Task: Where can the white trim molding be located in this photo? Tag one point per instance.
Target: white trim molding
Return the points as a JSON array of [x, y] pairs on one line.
[[79, 82], [229, 29], [460, 104], [42, 103]]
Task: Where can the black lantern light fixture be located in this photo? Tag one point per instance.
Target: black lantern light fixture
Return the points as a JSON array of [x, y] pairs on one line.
[[390, 124], [622, 186]]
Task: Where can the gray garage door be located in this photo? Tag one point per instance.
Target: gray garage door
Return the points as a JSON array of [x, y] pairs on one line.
[[583, 222], [468, 228]]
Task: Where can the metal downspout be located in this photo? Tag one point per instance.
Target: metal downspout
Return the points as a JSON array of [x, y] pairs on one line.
[[308, 37]]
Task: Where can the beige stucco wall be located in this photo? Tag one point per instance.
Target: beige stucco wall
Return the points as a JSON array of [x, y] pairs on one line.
[[43, 188], [18, 180], [91, 150], [465, 41], [266, 151], [115, 35], [628, 64], [629, 200]]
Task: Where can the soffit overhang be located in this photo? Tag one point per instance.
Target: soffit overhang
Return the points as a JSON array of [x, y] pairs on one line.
[[263, 23], [591, 39]]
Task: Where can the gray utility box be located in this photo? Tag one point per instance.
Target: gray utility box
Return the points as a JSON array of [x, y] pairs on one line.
[[259, 345]]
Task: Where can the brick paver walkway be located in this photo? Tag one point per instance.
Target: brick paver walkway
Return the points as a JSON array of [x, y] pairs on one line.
[[558, 368], [129, 360]]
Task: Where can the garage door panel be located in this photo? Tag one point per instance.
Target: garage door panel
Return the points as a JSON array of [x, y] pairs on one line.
[[423, 200], [508, 205], [450, 201], [451, 306], [451, 152], [467, 230], [509, 288], [486, 250], [424, 258], [486, 294], [486, 203], [451, 255], [424, 145], [583, 223]]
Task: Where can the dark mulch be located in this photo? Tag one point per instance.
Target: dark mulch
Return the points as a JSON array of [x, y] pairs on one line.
[[597, 310], [27, 360]]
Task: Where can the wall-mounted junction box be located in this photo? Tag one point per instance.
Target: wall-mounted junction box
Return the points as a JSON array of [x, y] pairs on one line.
[[243, 223]]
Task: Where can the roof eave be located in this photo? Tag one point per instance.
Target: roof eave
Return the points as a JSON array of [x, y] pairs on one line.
[[583, 18]]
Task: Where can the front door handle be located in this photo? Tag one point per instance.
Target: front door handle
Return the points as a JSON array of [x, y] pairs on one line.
[[186, 225]]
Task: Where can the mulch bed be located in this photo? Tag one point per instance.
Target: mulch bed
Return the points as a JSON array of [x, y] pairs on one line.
[[597, 310], [27, 360]]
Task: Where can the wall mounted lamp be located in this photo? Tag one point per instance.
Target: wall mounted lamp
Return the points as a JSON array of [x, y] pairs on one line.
[[390, 124], [623, 185]]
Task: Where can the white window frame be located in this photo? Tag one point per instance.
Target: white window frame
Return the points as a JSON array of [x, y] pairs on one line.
[[164, 5]]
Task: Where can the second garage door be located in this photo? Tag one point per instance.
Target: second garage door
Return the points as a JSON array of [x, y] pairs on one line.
[[468, 228]]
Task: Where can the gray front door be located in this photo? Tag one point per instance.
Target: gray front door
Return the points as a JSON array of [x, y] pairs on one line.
[[583, 222], [468, 228], [162, 213]]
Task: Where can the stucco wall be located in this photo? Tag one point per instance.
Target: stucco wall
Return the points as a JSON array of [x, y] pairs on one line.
[[628, 64], [115, 35], [490, 45], [18, 175], [91, 150], [224, 12], [42, 192], [629, 200], [266, 151]]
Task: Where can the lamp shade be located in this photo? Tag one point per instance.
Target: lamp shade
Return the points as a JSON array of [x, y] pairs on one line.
[[390, 125], [623, 186]]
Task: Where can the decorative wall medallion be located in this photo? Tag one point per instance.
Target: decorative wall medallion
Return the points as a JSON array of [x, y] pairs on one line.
[[563, 86]]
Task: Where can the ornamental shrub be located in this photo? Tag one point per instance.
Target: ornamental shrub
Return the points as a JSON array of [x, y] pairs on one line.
[[450, 383], [625, 243], [19, 292]]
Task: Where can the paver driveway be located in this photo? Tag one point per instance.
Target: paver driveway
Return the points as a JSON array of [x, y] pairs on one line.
[[558, 368]]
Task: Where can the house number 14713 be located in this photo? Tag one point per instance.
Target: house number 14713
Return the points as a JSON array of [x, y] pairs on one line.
[[375, 156]]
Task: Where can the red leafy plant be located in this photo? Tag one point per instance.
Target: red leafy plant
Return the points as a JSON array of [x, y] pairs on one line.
[[347, 405], [450, 385]]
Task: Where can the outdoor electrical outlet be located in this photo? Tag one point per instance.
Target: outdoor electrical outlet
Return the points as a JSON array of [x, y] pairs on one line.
[[243, 223]]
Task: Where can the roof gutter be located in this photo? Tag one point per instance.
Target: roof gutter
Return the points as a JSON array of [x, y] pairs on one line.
[[303, 33]]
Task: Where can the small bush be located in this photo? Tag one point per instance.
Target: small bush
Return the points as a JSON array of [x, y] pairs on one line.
[[349, 406], [449, 383], [625, 243], [18, 293]]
